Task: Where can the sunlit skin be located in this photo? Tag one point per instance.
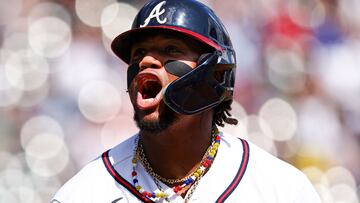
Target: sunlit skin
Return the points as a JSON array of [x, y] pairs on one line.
[[176, 151]]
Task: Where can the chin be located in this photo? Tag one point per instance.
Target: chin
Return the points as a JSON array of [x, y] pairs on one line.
[[151, 117], [156, 121]]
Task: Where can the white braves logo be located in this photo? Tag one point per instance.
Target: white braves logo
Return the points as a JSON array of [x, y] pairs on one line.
[[156, 12]]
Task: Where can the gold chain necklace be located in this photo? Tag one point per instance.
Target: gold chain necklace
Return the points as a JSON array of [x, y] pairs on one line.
[[142, 157], [191, 182]]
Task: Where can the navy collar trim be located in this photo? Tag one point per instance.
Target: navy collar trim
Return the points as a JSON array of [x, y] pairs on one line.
[[121, 180], [239, 175], [235, 182]]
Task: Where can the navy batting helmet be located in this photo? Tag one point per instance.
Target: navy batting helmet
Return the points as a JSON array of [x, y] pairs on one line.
[[197, 89]]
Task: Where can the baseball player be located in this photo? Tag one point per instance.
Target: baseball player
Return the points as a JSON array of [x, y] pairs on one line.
[[180, 82]]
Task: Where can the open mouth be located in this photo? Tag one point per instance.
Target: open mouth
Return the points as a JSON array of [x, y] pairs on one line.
[[149, 87]]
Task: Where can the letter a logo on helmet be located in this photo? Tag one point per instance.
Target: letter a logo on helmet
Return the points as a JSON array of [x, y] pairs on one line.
[[156, 12]]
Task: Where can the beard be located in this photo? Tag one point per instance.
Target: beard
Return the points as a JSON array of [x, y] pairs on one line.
[[166, 118]]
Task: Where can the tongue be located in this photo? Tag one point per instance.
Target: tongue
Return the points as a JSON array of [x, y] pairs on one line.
[[147, 103]]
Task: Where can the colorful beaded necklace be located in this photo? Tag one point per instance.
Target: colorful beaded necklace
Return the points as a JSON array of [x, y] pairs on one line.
[[195, 176]]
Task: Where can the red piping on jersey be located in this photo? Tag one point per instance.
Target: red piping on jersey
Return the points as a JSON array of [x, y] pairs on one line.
[[239, 175], [223, 196], [121, 180]]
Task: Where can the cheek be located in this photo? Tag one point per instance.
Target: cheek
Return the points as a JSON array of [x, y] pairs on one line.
[[172, 78], [191, 64]]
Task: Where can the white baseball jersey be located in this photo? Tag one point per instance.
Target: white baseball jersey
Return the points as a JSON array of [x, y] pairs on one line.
[[241, 172]]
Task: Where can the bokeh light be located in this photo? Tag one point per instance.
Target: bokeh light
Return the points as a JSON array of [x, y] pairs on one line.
[[38, 125], [46, 9], [9, 10], [5, 157], [16, 41], [34, 97], [239, 130], [280, 117], [6, 196], [49, 36], [90, 11], [342, 78], [43, 146], [315, 117], [260, 133], [340, 175], [107, 45], [314, 174], [310, 13], [46, 154], [82, 64], [337, 184], [9, 95], [265, 143], [14, 174], [26, 194], [117, 18], [344, 193], [26, 71], [324, 193], [112, 132], [349, 10], [99, 101], [286, 70]]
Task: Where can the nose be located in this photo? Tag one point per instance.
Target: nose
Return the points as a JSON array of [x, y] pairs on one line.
[[150, 61]]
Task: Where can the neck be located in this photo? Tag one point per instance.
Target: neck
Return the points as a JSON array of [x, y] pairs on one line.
[[178, 150]]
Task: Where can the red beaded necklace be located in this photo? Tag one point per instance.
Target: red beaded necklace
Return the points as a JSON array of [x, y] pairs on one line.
[[195, 176]]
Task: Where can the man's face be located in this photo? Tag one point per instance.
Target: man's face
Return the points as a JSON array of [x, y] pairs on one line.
[[146, 89]]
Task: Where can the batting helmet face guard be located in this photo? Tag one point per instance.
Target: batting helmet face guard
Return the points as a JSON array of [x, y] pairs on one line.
[[197, 89]]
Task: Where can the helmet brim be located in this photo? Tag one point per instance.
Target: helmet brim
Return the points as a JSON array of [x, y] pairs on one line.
[[122, 44]]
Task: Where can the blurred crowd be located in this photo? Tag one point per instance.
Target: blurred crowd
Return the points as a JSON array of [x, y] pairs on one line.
[[63, 96]]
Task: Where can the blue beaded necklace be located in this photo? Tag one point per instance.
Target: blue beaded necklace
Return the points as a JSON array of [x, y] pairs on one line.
[[195, 176]]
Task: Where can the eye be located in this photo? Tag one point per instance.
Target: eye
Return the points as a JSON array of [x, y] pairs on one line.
[[172, 49], [138, 54]]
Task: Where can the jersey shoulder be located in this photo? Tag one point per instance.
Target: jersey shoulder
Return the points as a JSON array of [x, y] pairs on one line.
[[265, 163], [94, 178], [268, 178], [277, 179]]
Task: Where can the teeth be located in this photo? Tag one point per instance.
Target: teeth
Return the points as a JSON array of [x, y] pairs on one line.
[[149, 101], [150, 79]]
